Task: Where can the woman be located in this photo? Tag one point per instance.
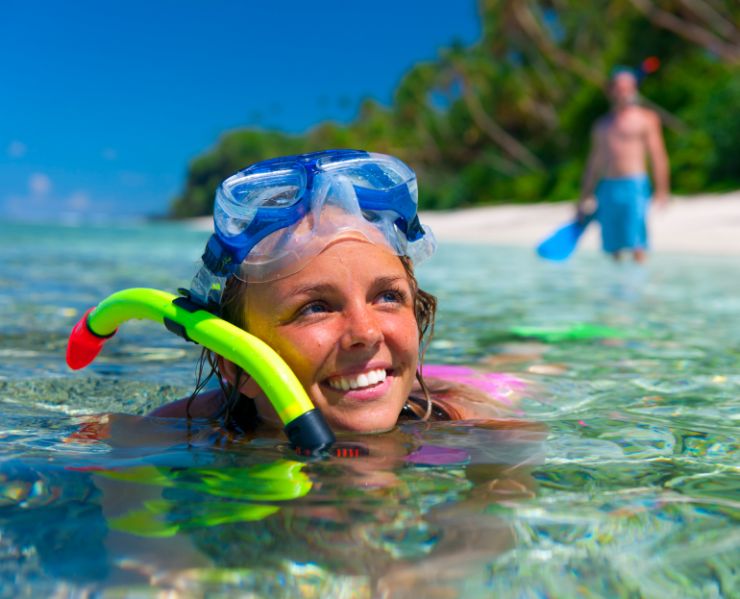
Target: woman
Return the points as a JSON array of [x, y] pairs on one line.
[[315, 255]]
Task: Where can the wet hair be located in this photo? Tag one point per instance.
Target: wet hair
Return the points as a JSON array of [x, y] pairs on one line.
[[240, 412]]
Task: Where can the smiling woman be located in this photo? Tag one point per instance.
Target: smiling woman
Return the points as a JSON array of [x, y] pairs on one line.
[[314, 255]]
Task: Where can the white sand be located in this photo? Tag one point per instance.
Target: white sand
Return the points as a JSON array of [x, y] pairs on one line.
[[705, 224], [701, 224]]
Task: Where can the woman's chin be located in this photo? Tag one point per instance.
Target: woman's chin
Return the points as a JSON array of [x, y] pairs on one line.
[[365, 426]]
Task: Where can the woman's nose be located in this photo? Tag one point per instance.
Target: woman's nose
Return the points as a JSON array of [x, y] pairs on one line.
[[362, 328]]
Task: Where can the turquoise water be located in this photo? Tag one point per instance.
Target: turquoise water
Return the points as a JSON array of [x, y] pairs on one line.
[[618, 479]]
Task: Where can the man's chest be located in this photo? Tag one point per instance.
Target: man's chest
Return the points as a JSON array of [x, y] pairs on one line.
[[625, 130]]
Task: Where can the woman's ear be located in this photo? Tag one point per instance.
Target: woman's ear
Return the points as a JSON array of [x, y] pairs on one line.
[[247, 385]]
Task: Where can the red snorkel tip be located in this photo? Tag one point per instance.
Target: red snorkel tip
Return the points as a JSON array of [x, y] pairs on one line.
[[84, 345]]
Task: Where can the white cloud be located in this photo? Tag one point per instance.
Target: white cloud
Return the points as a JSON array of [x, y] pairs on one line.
[[29, 206], [16, 149], [78, 201], [40, 203], [39, 184]]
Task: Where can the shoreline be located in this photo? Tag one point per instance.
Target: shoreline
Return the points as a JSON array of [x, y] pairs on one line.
[[707, 224]]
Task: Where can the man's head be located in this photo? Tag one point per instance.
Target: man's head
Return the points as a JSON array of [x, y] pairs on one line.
[[623, 84]]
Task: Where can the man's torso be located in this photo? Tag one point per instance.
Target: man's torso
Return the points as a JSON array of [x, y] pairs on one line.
[[623, 137]]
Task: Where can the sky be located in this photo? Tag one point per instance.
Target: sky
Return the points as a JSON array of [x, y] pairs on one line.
[[103, 104]]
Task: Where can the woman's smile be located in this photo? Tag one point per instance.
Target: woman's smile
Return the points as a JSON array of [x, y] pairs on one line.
[[368, 385]]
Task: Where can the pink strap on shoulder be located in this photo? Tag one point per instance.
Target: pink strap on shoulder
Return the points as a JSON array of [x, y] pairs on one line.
[[498, 385]]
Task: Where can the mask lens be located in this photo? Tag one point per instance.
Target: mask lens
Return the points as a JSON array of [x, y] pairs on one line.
[[241, 195], [373, 172], [275, 188]]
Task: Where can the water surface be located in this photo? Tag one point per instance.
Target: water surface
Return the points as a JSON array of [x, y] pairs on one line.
[[618, 478]]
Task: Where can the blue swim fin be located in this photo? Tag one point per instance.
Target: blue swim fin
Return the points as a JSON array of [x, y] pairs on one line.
[[560, 245]]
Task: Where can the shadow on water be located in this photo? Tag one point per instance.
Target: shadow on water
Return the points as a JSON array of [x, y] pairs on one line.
[[618, 477]]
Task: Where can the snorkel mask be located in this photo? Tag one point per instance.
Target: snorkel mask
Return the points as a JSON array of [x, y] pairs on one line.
[[271, 218]]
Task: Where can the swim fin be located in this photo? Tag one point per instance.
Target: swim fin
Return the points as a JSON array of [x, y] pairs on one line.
[[560, 245]]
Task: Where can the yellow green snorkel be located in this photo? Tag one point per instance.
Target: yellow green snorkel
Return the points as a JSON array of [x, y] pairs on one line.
[[304, 424]]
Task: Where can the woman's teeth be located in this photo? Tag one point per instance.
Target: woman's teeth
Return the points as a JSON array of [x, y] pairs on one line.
[[359, 381]]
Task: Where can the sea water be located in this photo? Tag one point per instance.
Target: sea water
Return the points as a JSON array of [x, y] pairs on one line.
[[615, 476]]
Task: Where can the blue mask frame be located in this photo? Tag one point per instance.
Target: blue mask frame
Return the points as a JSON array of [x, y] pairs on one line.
[[224, 253]]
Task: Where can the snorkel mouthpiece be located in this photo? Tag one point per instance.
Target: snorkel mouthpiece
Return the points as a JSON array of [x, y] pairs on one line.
[[305, 426], [309, 433]]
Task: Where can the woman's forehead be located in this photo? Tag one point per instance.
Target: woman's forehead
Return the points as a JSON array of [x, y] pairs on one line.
[[351, 253], [344, 261]]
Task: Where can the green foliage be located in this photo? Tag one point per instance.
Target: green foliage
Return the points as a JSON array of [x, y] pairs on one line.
[[509, 118]]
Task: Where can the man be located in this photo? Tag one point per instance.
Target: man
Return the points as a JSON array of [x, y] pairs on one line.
[[623, 141]]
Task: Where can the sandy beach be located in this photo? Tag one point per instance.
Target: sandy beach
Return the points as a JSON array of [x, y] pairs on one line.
[[701, 224], [706, 224]]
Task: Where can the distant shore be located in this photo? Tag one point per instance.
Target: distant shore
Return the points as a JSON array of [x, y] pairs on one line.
[[701, 224]]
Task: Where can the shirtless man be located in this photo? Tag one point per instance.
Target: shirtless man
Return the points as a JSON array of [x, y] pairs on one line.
[[622, 143]]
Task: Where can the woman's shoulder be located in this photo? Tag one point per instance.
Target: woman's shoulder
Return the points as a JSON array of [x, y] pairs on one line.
[[202, 405], [466, 393]]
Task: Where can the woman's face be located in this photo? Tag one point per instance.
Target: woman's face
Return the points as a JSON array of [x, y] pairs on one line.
[[345, 325]]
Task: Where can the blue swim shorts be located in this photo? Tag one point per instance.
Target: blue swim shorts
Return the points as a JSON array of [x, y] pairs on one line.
[[622, 211]]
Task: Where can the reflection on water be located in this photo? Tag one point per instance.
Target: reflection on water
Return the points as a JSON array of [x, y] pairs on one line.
[[618, 479]]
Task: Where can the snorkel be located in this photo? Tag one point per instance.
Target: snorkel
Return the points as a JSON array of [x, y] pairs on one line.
[[304, 425]]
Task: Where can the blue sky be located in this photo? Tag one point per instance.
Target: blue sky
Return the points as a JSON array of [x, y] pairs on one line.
[[104, 103]]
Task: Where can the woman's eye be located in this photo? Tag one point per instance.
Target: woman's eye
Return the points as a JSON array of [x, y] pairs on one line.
[[393, 296], [313, 308]]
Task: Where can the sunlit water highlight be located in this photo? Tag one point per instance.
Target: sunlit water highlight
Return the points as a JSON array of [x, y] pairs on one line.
[[619, 479]]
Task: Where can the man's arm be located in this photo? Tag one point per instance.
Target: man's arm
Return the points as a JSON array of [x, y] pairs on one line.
[[594, 168], [658, 158]]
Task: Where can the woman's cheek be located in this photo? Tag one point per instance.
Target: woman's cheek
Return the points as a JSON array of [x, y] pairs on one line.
[[405, 332], [303, 349]]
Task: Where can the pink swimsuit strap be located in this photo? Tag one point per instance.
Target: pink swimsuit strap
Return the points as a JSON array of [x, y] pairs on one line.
[[498, 385]]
